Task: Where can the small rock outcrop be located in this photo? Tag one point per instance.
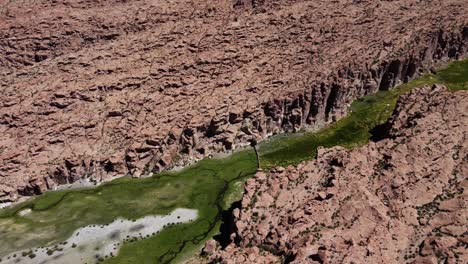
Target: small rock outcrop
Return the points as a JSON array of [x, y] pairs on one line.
[[402, 199]]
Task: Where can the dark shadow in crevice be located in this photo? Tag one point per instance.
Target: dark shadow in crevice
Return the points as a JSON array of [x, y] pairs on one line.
[[380, 132], [228, 226], [288, 258]]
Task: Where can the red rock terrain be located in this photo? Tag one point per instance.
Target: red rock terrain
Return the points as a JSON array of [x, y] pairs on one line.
[[402, 199], [102, 88]]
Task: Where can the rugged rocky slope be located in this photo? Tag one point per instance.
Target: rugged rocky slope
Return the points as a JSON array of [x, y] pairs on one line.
[[402, 199], [104, 88]]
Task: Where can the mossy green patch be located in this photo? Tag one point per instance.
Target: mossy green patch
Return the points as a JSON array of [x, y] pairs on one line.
[[455, 76], [55, 215]]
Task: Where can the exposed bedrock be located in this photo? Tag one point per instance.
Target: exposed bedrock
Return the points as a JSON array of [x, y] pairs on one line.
[[321, 102], [399, 200], [183, 82]]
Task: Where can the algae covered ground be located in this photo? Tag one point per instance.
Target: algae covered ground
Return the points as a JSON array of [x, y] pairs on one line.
[[355, 129], [210, 186]]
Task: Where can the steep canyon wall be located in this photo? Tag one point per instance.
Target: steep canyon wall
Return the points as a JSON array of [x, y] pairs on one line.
[[100, 89]]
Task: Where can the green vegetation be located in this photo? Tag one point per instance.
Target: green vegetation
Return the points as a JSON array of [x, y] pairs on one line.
[[455, 76], [210, 199], [209, 186], [55, 215], [354, 129]]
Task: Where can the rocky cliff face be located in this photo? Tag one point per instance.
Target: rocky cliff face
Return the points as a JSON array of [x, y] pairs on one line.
[[104, 88], [399, 200]]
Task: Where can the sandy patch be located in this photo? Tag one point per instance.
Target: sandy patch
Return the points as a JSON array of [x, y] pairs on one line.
[[91, 243], [25, 212], [4, 205]]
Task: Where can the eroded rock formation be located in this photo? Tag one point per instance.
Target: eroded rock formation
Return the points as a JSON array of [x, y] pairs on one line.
[[104, 88], [402, 199]]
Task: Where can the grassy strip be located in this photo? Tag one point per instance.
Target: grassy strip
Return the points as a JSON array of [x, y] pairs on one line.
[[354, 129], [173, 243], [455, 76], [55, 215]]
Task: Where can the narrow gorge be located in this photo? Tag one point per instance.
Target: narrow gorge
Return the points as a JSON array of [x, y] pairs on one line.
[[127, 122], [233, 131]]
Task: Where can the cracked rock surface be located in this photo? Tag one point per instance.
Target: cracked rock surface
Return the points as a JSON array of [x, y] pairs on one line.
[[402, 199], [105, 88]]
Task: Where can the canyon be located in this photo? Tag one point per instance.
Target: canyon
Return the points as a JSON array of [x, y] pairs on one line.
[[97, 89], [212, 185], [400, 199]]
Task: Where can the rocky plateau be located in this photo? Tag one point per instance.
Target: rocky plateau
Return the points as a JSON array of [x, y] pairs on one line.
[[402, 199], [98, 89]]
